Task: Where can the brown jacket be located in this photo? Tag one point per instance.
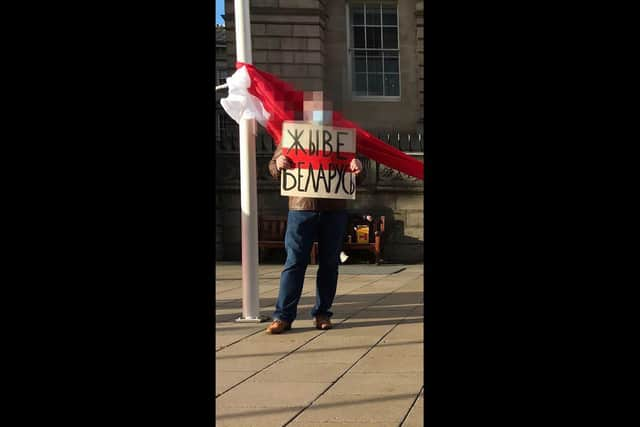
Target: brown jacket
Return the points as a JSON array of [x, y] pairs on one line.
[[308, 203]]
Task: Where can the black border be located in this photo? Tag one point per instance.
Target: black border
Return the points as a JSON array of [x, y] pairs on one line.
[[119, 280]]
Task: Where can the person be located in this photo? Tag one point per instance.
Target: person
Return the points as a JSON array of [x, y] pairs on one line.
[[310, 219], [352, 230]]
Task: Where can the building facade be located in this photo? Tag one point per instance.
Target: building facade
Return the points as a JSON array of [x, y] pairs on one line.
[[367, 57]]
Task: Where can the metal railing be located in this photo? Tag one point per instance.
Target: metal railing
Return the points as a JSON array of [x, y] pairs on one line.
[[410, 143], [227, 137]]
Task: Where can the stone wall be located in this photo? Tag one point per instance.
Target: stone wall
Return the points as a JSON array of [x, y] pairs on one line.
[[287, 39], [400, 115], [304, 42], [385, 192]]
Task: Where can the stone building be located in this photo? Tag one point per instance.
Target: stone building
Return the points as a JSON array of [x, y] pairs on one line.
[[221, 55], [221, 72], [367, 56]]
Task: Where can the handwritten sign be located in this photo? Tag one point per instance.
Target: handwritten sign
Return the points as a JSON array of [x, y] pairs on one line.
[[321, 155]]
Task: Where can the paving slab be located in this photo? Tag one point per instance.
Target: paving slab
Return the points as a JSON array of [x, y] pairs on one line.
[[254, 417], [226, 379], [371, 270], [271, 395], [390, 364], [328, 342], [358, 408], [412, 328], [341, 424], [364, 372], [367, 328], [248, 350], [301, 371], [349, 356], [377, 384], [251, 364], [416, 414]]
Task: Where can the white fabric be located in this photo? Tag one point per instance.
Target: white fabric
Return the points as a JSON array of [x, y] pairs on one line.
[[240, 103]]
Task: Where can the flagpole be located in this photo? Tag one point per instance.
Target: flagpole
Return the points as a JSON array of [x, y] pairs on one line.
[[248, 190]]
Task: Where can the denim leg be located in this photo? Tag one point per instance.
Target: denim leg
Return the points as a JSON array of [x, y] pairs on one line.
[[301, 230], [331, 229]]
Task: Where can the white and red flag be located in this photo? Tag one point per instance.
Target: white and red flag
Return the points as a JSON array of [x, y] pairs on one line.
[[256, 94], [322, 157]]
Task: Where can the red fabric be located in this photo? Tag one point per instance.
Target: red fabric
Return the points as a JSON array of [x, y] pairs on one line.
[[317, 160], [284, 102]]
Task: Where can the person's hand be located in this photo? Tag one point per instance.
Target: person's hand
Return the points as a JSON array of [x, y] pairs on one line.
[[355, 166], [283, 162]]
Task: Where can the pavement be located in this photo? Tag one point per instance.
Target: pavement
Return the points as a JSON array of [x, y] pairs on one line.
[[366, 371]]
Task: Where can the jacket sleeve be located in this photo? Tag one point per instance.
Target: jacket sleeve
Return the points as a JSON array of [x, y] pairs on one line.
[[360, 178], [273, 169]]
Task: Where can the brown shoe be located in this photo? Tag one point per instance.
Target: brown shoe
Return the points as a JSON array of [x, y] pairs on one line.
[[278, 326], [322, 322]]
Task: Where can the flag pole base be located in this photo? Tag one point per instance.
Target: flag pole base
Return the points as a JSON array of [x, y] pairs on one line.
[[258, 319]]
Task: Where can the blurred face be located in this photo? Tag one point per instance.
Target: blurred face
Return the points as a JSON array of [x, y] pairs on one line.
[[316, 108]]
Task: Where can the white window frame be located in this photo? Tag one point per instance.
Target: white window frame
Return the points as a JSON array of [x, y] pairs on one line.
[[350, 50]]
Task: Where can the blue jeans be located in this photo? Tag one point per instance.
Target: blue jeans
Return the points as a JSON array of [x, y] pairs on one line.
[[303, 227]]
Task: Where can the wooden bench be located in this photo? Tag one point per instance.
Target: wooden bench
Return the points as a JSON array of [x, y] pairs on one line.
[[271, 231]]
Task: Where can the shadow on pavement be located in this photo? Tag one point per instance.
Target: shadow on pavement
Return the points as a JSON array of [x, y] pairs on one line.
[[390, 305], [319, 350], [248, 412], [349, 324], [398, 298]]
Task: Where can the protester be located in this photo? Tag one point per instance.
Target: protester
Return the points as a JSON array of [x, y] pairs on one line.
[[310, 219]]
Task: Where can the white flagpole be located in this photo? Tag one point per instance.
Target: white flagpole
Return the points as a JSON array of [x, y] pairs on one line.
[[248, 190]]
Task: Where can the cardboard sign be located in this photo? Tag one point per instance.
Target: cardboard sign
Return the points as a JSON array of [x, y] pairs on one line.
[[322, 155]]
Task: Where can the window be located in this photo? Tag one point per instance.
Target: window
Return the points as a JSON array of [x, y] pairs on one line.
[[374, 50]]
